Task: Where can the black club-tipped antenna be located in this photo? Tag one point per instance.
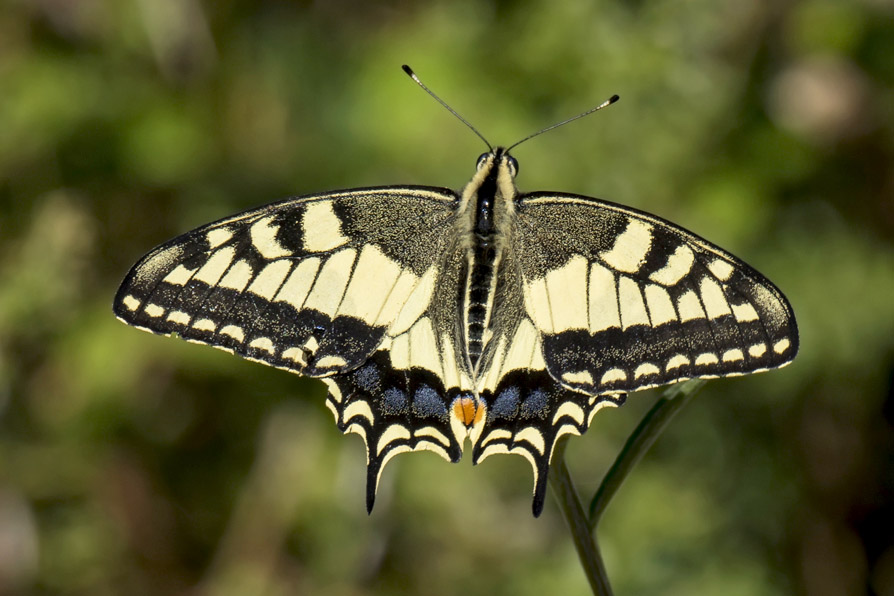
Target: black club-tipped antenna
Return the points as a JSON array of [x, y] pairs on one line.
[[413, 76], [604, 104]]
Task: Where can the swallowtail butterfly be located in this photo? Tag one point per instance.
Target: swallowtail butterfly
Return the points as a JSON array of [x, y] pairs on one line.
[[433, 317]]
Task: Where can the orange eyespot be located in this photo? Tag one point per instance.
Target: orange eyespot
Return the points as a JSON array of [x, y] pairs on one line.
[[468, 410]]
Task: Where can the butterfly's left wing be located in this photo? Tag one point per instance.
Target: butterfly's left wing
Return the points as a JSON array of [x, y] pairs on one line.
[[598, 300], [347, 286]]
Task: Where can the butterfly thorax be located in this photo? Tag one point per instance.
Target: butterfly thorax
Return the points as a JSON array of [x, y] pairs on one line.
[[486, 210]]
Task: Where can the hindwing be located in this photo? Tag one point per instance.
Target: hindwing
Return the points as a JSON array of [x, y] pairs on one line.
[[414, 393], [526, 409]]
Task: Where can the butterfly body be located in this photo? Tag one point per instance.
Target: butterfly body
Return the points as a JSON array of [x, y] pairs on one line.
[[501, 318], [489, 200]]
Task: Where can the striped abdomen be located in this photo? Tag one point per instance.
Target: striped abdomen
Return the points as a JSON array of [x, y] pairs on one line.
[[479, 294]]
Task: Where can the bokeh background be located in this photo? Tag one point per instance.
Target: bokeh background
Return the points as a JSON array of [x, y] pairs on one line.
[[135, 464]]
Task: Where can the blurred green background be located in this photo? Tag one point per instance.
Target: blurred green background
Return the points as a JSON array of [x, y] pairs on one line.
[[135, 464]]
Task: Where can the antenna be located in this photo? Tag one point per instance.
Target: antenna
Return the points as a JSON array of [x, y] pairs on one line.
[[413, 76], [604, 104]]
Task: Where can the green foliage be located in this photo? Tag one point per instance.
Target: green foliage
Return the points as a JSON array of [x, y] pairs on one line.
[[143, 465]]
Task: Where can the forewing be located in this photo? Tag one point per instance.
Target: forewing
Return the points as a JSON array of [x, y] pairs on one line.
[[625, 300], [309, 284]]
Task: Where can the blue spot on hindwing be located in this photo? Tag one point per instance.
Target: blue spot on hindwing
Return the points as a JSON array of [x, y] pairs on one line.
[[427, 402], [367, 378], [506, 404], [535, 405], [395, 401]]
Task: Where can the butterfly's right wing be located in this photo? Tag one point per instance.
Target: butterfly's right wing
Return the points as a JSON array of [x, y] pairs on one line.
[[598, 300], [338, 286]]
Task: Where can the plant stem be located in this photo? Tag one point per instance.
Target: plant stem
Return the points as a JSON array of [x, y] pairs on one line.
[[573, 511], [638, 443]]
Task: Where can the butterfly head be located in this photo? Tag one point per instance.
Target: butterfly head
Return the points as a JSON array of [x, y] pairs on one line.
[[500, 159], [492, 187]]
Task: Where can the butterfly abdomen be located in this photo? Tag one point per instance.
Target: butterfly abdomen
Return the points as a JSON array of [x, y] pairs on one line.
[[479, 294]]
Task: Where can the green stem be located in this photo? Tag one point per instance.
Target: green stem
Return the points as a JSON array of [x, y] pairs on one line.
[[638, 444], [573, 511]]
